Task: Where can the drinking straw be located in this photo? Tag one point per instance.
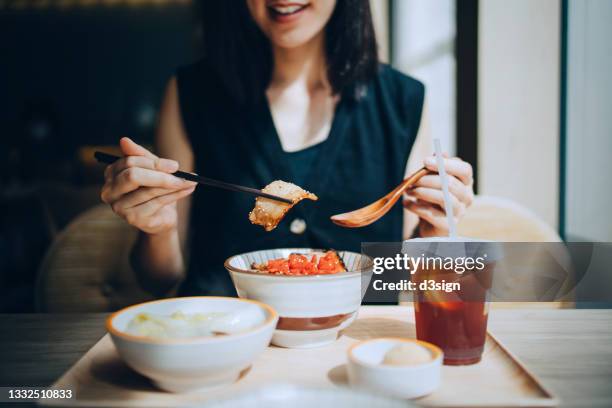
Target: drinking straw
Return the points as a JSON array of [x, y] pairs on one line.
[[448, 204]]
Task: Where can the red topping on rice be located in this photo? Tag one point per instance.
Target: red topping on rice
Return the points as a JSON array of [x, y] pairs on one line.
[[298, 264]]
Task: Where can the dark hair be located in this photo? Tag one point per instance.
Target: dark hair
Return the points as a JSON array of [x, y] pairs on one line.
[[241, 54]]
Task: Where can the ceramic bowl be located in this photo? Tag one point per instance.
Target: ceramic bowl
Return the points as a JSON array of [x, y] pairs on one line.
[[190, 364], [365, 370], [314, 309]]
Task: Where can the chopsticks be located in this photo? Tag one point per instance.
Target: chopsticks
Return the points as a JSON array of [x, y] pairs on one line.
[[110, 159]]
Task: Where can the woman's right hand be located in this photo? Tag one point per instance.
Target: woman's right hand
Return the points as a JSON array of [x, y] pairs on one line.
[[141, 189]]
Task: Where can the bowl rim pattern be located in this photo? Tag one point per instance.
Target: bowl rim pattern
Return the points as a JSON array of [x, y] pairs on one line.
[[339, 275]]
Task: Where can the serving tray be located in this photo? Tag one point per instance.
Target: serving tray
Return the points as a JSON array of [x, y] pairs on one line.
[[101, 379]]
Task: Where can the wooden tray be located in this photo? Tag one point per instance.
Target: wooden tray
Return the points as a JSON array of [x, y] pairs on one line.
[[100, 378]]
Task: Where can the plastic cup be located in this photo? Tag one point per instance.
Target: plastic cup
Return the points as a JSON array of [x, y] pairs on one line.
[[454, 320]]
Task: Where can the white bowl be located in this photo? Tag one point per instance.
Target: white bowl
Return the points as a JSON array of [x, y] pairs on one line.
[[313, 309], [190, 364], [365, 370]]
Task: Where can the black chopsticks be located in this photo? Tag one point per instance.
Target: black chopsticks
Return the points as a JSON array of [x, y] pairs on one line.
[[110, 159]]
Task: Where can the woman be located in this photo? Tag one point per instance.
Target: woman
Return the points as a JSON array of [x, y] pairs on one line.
[[291, 90]]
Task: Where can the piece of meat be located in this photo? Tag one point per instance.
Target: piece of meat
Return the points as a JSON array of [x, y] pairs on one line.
[[268, 213]]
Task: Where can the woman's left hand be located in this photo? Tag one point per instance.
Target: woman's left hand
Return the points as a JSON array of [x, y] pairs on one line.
[[426, 199]]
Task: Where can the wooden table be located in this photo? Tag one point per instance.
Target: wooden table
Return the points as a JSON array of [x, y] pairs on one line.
[[569, 350]]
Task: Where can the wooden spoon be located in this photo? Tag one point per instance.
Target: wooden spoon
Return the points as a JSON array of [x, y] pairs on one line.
[[371, 213]]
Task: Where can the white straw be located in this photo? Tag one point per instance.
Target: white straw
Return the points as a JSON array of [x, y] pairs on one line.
[[448, 204]]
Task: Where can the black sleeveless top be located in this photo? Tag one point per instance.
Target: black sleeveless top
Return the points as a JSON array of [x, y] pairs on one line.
[[363, 158]]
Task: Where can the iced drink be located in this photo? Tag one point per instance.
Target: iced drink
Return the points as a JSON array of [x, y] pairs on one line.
[[455, 321]]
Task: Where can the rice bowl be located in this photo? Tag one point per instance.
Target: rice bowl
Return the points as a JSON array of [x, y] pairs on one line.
[[313, 310], [195, 363]]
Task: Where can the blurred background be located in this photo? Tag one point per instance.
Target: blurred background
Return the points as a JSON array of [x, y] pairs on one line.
[[521, 89]]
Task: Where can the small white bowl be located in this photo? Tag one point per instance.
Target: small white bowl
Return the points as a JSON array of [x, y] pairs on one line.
[[366, 371], [191, 364], [313, 309]]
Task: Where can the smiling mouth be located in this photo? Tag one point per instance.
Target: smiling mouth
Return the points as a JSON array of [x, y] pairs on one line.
[[283, 10]]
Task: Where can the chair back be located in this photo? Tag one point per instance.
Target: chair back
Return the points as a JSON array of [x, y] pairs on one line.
[[503, 220], [87, 269]]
